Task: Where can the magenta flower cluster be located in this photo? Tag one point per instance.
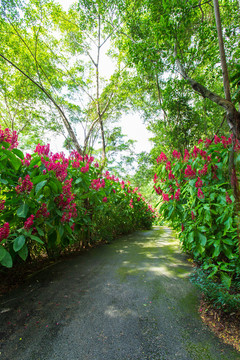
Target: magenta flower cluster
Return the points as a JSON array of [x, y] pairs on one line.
[[25, 185], [4, 232]]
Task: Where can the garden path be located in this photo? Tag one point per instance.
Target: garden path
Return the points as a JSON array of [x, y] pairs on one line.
[[127, 300]]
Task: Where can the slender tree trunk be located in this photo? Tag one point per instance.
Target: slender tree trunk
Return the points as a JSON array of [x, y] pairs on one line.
[[226, 83], [98, 92]]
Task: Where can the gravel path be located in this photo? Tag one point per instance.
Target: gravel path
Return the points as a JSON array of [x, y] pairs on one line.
[[128, 300]]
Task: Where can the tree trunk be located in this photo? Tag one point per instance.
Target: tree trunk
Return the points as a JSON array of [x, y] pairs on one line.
[[98, 93], [232, 115], [226, 83]]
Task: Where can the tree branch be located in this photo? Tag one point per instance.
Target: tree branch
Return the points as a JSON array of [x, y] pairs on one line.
[[63, 116]]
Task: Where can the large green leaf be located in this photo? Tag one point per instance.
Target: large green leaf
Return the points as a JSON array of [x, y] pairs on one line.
[[36, 238], [3, 252], [22, 210], [7, 260], [23, 253], [18, 243], [19, 153], [40, 185], [13, 159], [39, 178], [202, 239]]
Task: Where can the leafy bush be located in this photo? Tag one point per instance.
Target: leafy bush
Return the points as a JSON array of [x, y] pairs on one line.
[[198, 201], [216, 292], [49, 202]]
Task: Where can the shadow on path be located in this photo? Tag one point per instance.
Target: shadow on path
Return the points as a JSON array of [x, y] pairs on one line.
[[128, 300]]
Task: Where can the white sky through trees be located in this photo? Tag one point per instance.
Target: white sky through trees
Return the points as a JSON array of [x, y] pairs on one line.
[[132, 125]]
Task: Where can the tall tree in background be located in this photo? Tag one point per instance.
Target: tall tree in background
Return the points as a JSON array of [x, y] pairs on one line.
[[167, 40], [58, 54]]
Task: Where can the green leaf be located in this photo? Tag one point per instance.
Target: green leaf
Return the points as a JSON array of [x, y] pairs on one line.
[[228, 241], [3, 181], [53, 186], [202, 239], [40, 185], [7, 260], [217, 249], [59, 212], [14, 161], [61, 230], [78, 180], [39, 178], [23, 253], [35, 162], [22, 210], [5, 144], [18, 243], [36, 238], [40, 231], [202, 228], [3, 252], [191, 237], [171, 209], [19, 153]]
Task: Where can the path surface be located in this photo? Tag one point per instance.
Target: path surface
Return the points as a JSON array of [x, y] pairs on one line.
[[128, 300]]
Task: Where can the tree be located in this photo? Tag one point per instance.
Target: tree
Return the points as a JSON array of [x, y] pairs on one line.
[[60, 59], [173, 39]]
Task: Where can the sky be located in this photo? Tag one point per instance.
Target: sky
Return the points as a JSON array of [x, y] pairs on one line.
[[131, 124]]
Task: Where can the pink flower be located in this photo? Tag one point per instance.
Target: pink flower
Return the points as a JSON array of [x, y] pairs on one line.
[[2, 206], [9, 136], [25, 185], [29, 222], [155, 178], [176, 154], [228, 200], [114, 191], [216, 139], [186, 155], [195, 152], [198, 183], [177, 194], [96, 165], [189, 172], [200, 194], [183, 228], [168, 166], [42, 149], [170, 175], [204, 170], [165, 197], [4, 231], [161, 158], [207, 143], [193, 216], [42, 211], [105, 199], [85, 168]]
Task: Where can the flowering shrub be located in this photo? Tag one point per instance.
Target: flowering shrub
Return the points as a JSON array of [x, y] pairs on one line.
[[198, 201], [49, 202]]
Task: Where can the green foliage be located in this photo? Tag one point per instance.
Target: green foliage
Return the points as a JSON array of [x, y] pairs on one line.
[[198, 201], [216, 292], [49, 202]]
